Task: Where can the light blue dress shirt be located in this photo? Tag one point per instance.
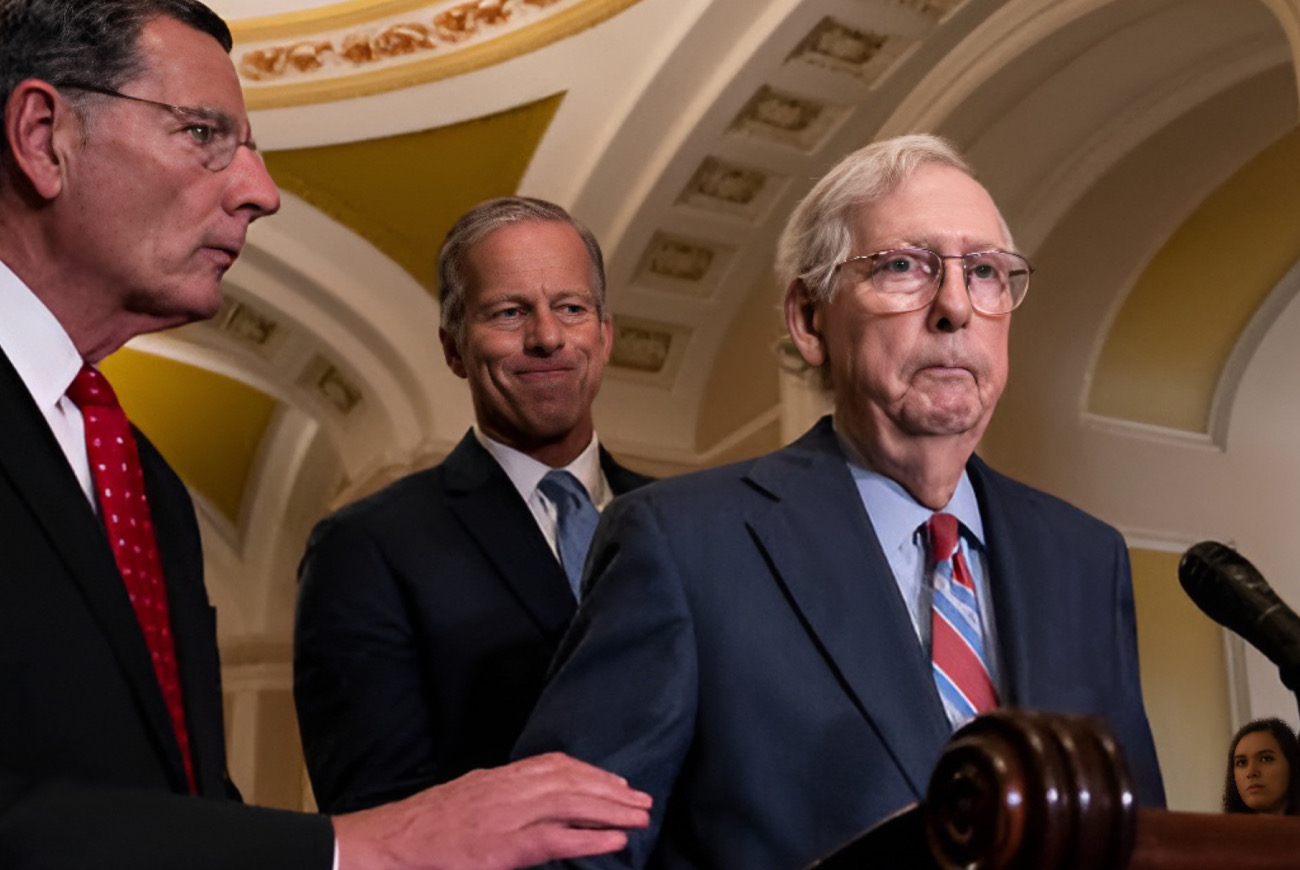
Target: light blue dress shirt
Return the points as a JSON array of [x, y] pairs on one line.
[[898, 521]]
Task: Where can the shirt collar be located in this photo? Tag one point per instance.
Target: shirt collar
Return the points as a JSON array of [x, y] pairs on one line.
[[526, 472], [895, 515], [36, 343]]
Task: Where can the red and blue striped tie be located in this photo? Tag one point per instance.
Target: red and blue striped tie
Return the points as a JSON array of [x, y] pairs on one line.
[[956, 638]]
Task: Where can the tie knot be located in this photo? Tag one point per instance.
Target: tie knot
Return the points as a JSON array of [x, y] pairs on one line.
[[943, 536], [90, 388], [561, 486]]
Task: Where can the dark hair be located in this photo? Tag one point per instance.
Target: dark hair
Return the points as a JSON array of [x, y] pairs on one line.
[[485, 218], [1286, 740], [59, 41]]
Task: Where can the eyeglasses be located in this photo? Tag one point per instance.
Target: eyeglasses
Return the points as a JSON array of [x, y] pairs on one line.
[[212, 130], [908, 279]]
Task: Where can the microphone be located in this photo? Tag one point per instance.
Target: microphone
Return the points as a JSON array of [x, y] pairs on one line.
[[1233, 593]]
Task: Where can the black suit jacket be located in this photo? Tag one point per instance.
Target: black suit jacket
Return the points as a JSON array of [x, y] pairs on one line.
[[743, 654], [90, 770], [427, 617]]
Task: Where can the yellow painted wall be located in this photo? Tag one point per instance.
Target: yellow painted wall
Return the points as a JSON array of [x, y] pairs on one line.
[[209, 427], [402, 193], [1167, 347], [1184, 683]]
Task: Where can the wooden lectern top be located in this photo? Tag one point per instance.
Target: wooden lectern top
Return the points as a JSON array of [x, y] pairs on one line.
[[1016, 790]]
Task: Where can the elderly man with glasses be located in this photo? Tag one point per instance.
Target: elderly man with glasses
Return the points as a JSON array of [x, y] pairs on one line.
[[777, 650]]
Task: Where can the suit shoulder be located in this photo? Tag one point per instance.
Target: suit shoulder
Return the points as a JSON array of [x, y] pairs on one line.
[[764, 477], [409, 499], [695, 491]]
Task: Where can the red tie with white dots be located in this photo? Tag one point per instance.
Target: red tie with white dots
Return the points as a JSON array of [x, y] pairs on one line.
[[124, 508]]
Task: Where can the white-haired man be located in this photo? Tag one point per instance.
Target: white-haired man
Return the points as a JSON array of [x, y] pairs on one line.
[[777, 650]]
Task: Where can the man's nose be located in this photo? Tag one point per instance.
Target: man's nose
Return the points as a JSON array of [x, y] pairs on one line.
[[251, 189], [544, 331], [951, 308]]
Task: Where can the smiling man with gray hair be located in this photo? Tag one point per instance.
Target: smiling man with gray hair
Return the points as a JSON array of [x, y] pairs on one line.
[[430, 610]]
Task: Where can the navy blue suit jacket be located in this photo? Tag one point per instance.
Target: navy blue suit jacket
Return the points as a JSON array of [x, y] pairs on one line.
[[744, 655], [90, 769], [427, 617]]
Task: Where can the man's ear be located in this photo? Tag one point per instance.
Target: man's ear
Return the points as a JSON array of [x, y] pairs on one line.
[[451, 352], [36, 124], [803, 318], [607, 333]]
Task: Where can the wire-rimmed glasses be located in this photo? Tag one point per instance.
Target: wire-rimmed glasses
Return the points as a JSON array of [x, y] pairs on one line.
[[907, 279], [212, 130]]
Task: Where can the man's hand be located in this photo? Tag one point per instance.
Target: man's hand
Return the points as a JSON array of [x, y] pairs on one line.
[[536, 810]]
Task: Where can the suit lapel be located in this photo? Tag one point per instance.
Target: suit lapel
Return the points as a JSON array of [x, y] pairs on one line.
[[1019, 571], [34, 463], [193, 623], [489, 507], [845, 593]]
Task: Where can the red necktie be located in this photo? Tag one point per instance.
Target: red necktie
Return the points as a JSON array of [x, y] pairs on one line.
[[956, 635], [124, 508]]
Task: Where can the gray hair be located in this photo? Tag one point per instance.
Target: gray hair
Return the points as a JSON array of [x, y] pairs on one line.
[[63, 41], [480, 221], [819, 233]]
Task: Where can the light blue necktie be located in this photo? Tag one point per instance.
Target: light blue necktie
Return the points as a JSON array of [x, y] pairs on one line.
[[576, 519]]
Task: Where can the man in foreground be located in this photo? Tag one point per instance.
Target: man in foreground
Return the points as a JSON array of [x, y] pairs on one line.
[[128, 179], [777, 650], [429, 612]]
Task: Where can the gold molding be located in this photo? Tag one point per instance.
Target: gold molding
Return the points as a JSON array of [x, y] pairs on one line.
[[450, 59], [308, 22]]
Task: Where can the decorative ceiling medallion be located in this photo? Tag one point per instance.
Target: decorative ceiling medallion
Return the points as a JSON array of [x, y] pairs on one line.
[[933, 8], [360, 50], [776, 116], [728, 188], [681, 265], [247, 325], [839, 48], [327, 384], [647, 350]]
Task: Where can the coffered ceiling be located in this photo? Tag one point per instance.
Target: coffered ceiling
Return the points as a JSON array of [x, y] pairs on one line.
[[1136, 146]]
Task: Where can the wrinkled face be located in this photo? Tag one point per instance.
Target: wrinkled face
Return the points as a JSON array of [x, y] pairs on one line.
[[534, 346], [153, 226], [1261, 772], [936, 371]]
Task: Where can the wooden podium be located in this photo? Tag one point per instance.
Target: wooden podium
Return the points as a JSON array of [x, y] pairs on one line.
[[1016, 790]]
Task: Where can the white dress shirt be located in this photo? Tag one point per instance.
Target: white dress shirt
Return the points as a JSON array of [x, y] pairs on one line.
[[525, 473], [46, 361]]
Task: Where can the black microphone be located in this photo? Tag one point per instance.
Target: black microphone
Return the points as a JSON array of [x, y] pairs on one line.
[[1233, 593]]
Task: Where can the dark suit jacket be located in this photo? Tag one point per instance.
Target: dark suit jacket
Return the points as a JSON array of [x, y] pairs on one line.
[[743, 654], [90, 770], [427, 617]]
